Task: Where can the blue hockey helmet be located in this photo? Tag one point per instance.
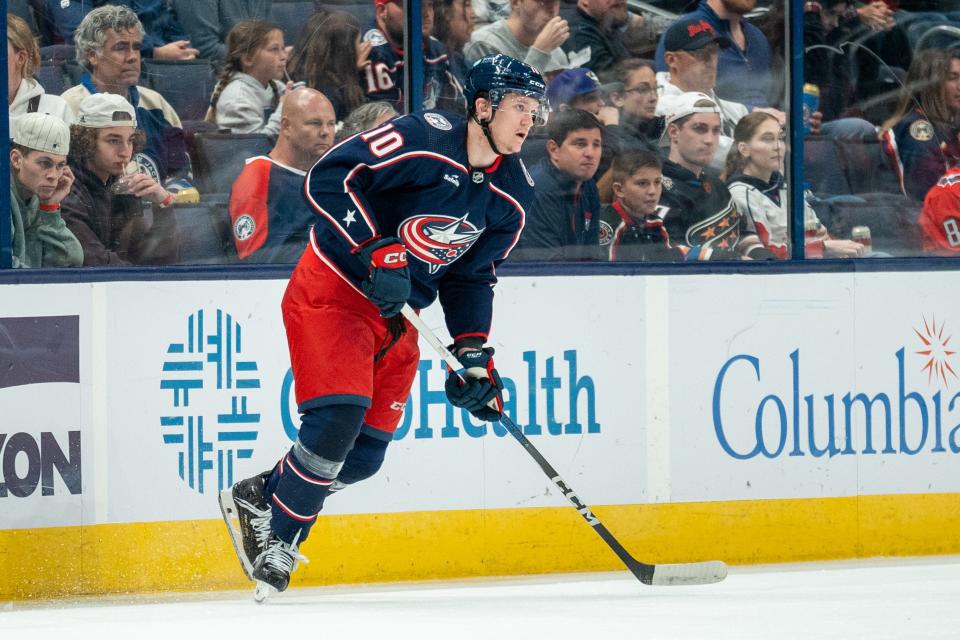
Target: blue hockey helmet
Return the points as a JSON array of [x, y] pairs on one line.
[[498, 75]]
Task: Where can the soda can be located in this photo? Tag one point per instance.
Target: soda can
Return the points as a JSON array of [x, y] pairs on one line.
[[811, 103], [861, 234], [811, 232]]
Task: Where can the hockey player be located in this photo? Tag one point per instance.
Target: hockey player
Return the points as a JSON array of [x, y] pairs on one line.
[[423, 205]]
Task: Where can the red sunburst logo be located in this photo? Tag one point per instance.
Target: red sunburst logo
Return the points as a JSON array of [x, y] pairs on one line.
[[937, 352]]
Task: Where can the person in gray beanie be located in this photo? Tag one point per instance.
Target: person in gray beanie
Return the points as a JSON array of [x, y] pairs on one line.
[[39, 180]]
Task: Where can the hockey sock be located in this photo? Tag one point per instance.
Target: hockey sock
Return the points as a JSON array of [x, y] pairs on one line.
[[365, 459], [303, 478]]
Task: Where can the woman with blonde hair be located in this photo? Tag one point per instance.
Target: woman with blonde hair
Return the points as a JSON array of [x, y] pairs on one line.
[[24, 93], [754, 178], [926, 121], [247, 96]]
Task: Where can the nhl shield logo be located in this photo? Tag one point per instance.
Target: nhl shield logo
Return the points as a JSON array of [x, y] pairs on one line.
[[437, 240]]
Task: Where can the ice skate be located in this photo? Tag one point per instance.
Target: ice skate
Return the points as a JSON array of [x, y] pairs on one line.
[[273, 567], [247, 515]]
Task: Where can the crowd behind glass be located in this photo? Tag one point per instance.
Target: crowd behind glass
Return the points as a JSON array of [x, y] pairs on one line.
[[176, 132]]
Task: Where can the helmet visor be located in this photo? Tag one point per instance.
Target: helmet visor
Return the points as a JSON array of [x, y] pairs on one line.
[[538, 114]]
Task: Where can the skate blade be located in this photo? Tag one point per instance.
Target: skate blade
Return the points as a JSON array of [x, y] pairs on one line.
[[230, 516], [262, 592]]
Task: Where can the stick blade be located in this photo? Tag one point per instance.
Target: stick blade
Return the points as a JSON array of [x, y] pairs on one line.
[[672, 575]]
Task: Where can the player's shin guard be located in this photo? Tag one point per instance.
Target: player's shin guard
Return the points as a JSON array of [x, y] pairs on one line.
[[298, 497], [302, 481], [364, 460]]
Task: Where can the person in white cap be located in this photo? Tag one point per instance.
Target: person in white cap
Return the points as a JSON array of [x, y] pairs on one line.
[[39, 180], [120, 216], [108, 42], [701, 218]]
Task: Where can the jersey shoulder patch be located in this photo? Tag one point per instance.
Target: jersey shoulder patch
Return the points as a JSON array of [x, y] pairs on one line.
[[921, 131], [375, 37], [437, 121]]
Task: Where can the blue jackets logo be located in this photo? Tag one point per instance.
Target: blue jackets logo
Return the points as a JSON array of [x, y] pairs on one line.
[[438, 240], [211, 420]]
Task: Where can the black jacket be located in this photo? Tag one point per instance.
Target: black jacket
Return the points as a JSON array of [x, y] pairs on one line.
[[703, 219], [564, 221], [606, 48], [117, 230]]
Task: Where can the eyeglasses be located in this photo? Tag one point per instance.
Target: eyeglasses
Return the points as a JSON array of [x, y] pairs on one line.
[[643, 89]]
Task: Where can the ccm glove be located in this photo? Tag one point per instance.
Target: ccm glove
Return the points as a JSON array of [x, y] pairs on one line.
[[480, 390], [388, 286]]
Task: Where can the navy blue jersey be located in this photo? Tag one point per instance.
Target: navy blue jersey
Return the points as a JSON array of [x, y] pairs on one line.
[[382, 79], [411, 179], [271, 218]]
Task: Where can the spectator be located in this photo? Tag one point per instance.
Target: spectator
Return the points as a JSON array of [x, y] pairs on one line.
[[383, 77], [692, 48], [939, 220], [759, 191], [328, 56], [109, 208], [108, 48], [701, 218], [599, 25], [581, 89], [576, 89], [24, 93], [163, 39], [831, 24], [271, 217], [927, 117], [246, 98], [366, 117], [209, 21], [488, 11], [39, 180], [534, 33], [564, 223], [631, 227], [453, 24], [636, 124], [744, 69]]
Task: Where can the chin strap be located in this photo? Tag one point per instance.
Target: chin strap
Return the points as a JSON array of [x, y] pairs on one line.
[[485, 126]]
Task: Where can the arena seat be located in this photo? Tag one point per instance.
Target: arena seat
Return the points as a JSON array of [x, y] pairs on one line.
[[186, 85], [292, 16], [218, 158], [202, 240]]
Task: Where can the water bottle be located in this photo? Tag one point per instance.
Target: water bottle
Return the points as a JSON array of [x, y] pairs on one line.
[[811, 103]]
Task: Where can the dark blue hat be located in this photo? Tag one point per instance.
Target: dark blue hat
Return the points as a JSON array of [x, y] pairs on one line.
[[690, 33]]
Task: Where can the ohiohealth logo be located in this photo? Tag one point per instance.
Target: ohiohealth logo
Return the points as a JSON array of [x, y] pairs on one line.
[[897, 416], [208, 421]]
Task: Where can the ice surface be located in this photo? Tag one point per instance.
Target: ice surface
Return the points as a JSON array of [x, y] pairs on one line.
[[906, 599]]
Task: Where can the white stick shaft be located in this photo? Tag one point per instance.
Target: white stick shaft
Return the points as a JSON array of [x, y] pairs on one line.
[[431, 337]]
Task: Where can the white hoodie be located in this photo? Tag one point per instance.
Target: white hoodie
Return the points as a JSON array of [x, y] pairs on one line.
[[51, 104], [243, 106]]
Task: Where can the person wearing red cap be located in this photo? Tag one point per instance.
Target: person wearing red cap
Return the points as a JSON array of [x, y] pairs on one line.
[[382, 78]]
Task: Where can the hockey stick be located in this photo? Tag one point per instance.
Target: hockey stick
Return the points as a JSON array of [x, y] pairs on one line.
[[654, 574]]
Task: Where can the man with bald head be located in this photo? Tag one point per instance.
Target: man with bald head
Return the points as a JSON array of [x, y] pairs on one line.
[[271, 218]]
